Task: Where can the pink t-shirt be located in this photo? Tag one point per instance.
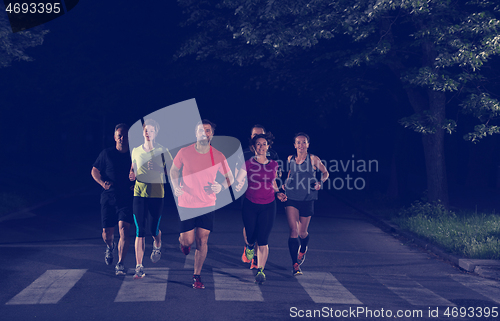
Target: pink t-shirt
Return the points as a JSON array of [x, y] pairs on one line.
[[198, 173], [260, 181]]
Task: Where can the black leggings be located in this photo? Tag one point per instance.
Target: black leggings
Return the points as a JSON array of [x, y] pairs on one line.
[[258, 220], [141, 207]]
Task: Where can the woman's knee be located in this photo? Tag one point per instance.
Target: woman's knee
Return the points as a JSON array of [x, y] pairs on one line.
[[303, 234], [294, 233]]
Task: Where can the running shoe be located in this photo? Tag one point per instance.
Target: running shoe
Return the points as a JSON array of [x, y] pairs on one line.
[[301, 257], [185, 249], [120, 269], [247, 255], [156, 253], [108, 257], [296, 269], [260, 277], [254, 265], [197, 284], [139, 272]]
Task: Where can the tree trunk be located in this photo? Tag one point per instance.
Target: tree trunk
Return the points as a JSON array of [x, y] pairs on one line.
[[437, 182], [435, 103]]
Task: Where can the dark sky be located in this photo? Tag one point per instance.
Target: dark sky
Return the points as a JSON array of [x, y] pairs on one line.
[[104, 64]]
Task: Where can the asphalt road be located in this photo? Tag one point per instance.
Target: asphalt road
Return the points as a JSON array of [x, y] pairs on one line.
[[53, 269]]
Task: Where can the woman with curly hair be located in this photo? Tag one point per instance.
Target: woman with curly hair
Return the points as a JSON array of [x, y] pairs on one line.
[[259, 205]]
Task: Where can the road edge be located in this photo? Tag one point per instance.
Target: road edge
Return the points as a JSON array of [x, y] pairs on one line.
[[485, 268]]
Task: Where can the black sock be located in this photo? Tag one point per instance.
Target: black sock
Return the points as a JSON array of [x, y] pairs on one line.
[[303, 243], [293, 246]]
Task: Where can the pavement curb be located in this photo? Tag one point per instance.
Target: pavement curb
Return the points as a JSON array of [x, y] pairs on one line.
[[486, 268]]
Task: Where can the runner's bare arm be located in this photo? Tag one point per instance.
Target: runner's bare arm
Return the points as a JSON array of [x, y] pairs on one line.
[[240, 179], [324, 172], [229, 178], [131, 174], [96, 175], [216, 187], [174, 180], [281, 196]]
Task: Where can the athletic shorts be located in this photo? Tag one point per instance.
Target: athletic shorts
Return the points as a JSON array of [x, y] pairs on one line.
[[147, 215], [114, 208], [205, 221], [306, 208]]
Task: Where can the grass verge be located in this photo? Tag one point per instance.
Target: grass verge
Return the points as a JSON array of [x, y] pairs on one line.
[[466, 233]]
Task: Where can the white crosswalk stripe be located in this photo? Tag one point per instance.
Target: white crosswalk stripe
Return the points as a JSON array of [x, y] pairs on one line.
[[189, 262], [236, 285], [411, 291], [323, 287], [488, 288], [153, 287], [49, 288]]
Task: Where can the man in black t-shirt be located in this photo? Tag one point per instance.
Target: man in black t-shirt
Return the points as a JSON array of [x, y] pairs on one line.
[[111, 171]]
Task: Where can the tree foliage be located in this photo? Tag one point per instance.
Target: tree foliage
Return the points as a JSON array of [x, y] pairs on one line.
[[13, 45], [440, 51], [433, 45]]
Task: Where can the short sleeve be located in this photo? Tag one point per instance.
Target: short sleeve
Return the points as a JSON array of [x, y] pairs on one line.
[[223, 165], [168, 158], [100, 162], [178, 160]]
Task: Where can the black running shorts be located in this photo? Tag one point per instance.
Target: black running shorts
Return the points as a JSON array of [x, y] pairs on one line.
[[114, 208], [205, 221], [306, 208]]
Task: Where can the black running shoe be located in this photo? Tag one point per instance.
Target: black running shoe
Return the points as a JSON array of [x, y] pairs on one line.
[[108, 257]]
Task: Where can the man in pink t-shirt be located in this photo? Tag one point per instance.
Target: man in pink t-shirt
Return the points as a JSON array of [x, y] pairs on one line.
[[196, 192]]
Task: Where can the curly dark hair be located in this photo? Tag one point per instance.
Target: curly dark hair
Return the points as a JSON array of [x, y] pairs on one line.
[[267, 136]]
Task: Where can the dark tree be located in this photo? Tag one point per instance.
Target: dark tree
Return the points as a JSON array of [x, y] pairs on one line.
[[438, 50]]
